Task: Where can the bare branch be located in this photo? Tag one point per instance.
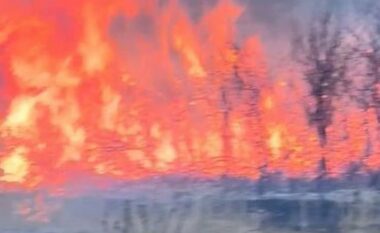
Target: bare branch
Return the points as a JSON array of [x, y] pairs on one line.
[[324, 55]]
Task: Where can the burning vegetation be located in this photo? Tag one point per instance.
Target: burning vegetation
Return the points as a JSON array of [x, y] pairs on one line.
[[133, 89]]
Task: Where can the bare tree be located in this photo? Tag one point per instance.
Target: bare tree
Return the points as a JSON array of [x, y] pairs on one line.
[[369, 97], [368, 92], [236, 89], [324, 56]]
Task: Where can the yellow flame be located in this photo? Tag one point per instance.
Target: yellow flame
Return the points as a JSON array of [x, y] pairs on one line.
[[213, 145], [15, 166], [93, 49], [21, 115], [165, 153], [139, 156], [110, 109], [195, 69], [275, 141]]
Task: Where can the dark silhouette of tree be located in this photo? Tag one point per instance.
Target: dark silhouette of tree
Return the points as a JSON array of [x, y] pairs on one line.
[[322, 53], [369, 92], [236, 89]]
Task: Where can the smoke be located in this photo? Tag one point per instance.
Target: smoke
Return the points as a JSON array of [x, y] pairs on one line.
[[198, 8]]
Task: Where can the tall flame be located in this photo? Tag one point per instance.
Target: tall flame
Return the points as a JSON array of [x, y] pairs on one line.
[[131, 89]]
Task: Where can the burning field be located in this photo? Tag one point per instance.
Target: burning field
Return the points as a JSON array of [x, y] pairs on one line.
[[251, 95]]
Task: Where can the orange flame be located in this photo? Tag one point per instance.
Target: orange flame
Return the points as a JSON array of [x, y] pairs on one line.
[[130, 89]]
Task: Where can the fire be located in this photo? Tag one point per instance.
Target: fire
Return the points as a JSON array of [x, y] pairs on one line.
[[275, 141], [93, 49], [15, 167], [20, 116], [195, 68], [130, 89], [268, 103]]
